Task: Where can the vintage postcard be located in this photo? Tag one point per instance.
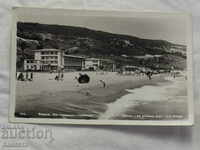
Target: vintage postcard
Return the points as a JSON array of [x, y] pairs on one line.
[[101, 67]]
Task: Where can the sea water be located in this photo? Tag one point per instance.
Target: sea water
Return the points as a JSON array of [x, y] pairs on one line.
[[144, 95]]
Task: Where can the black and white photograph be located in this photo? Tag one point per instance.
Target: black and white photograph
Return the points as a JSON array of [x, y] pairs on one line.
[[101, 67]]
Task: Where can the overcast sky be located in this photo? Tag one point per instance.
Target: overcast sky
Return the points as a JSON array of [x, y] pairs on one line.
[[165, 27]]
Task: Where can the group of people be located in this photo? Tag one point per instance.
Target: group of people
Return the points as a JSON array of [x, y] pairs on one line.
[[59, 76], [27, 76], [148, 72]]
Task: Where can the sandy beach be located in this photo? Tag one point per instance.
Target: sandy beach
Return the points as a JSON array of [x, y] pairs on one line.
[[46, 98]]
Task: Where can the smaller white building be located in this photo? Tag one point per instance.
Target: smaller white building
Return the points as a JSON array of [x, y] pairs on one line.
[[97, 63], [92, 63]]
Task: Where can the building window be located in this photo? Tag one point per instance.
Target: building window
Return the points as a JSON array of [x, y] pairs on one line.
[[42, 57], [42, 53]]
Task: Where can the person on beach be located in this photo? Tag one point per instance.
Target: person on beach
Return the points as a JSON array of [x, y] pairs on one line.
[[58, 74], [62, 76], [87, 93], [26, 77], [149, 74], [56, 78], [173, 73], [103, 83], [31, 76], [76, 78], [21, 77]]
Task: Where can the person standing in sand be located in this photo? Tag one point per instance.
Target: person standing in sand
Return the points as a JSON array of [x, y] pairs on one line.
[[103, 83], [173, 71], [31, 76], [149, 74], [26, 79], [62, 76]]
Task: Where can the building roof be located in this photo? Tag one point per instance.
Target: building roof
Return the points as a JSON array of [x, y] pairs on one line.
[[108, 60], [100, 59], [74, 56], [92, 58]]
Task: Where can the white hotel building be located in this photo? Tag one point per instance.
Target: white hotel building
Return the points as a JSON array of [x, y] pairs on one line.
[[55, 59], [45, 59]]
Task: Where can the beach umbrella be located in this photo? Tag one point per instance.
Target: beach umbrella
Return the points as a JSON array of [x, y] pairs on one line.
[[83, 78]]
